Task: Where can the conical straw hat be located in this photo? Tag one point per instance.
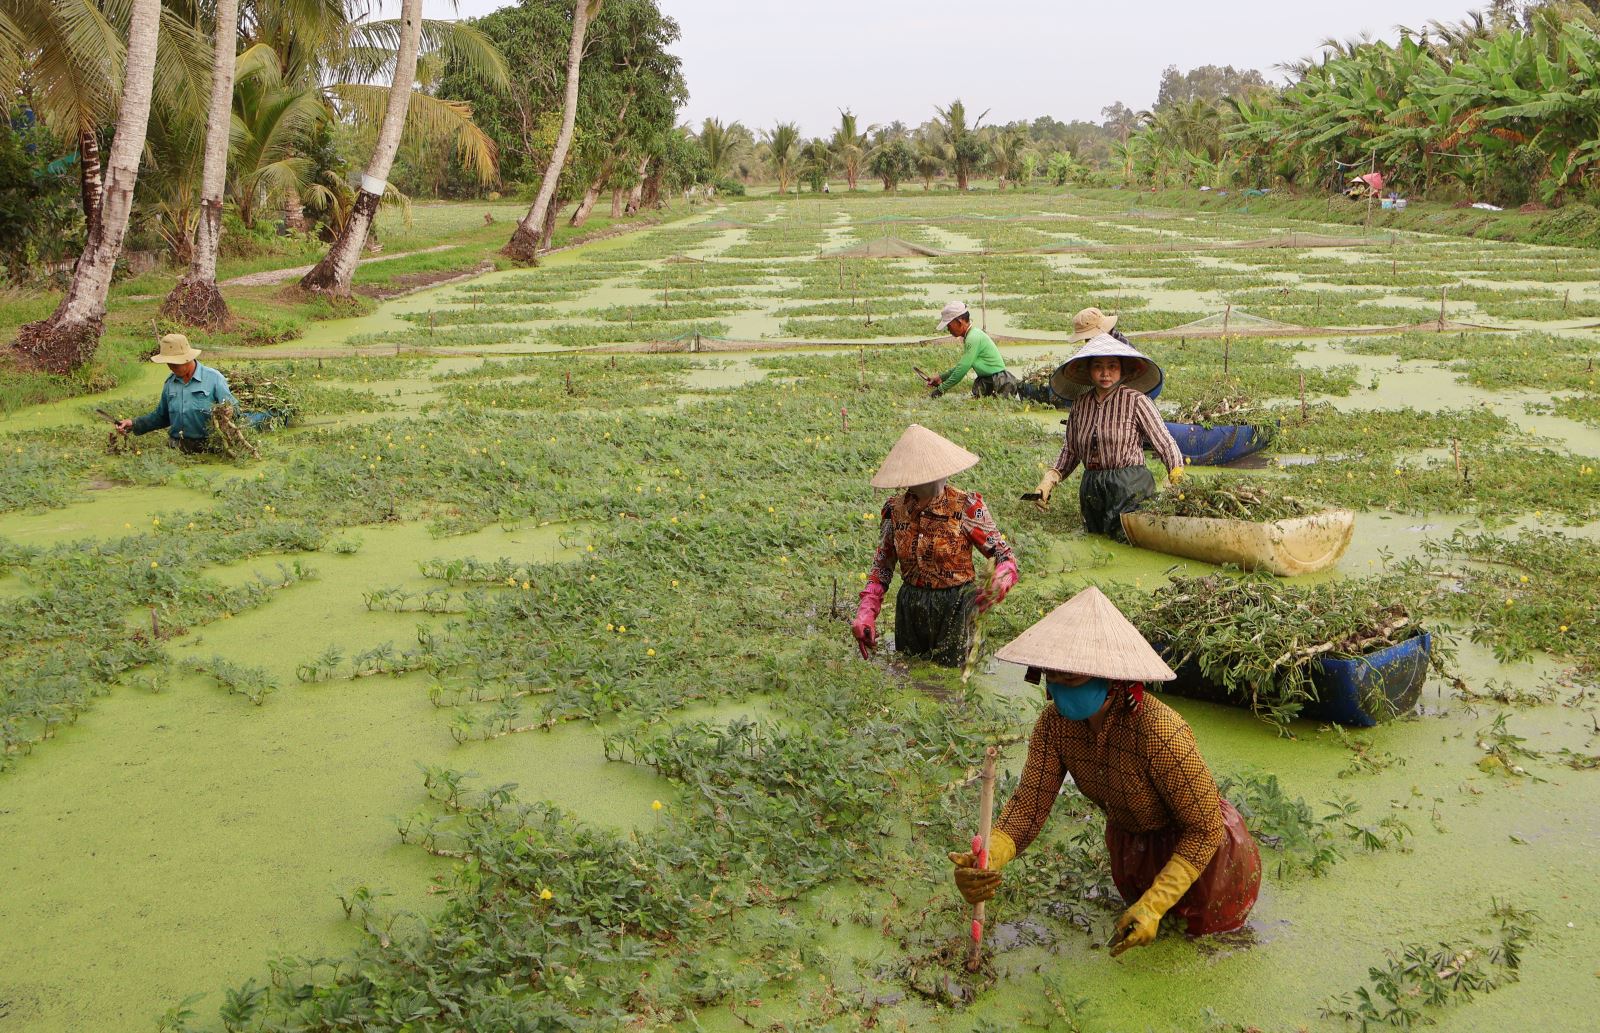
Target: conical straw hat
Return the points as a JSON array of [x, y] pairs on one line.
[[1071, 378], [1088, 635], [921, 457]]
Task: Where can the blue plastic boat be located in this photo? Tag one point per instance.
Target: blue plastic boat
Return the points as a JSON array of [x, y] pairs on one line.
[[1220, 444], [1357, 693]]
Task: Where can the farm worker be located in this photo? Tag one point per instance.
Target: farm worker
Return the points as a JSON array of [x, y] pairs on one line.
[[1111, 423], [186, 398], [1175, 844], [979, 355], [930, 530]]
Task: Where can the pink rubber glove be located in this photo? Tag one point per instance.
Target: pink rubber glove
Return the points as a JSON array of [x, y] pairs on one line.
[[1005, 577], [865, 627]]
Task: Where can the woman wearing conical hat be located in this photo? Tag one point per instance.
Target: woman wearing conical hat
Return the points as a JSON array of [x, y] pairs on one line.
[[930, 531], [1112, 422], [1175, 844]]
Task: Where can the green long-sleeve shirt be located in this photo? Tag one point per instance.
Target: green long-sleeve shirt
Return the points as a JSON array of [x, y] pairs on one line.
[[980, 354]]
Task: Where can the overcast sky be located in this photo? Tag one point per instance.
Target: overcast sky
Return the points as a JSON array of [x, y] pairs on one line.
[[762, 62]]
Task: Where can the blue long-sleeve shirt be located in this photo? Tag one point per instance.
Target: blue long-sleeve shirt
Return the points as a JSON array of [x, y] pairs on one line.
[[185, 408]]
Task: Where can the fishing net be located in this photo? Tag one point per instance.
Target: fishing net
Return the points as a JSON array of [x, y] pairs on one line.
[[681, 259], [1239, 323], [887, 247]]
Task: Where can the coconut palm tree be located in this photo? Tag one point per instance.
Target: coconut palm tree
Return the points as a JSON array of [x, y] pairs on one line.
[[961, 145], [69, 337], [195, 299], [929, 159], [783, 145], [1006, 150], [723, 145], [849, 147], [337, 269], [524, 242]]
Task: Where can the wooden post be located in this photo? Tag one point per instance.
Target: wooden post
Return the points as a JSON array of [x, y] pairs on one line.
[[841, 276], [981, 847], [1227, 345], [1444, 295], [1566, 300], [1455, 447], [1302, 398], [155, 627], [844, 421]]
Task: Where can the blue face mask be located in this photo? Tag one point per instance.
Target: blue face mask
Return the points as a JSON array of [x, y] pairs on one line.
[[1079, 702]]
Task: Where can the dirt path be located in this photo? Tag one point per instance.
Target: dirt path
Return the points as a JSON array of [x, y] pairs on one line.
[[271, 276]]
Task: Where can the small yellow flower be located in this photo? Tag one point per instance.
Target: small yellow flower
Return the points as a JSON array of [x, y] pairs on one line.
[[511, 581], [771, 510], [702, 496], [674, 582], [649, 652], [655, 805], [1508, 600], [674, 520], [783, 559], [590, 548], [1563, 629], [1524, 579], [611, 627], [127, 526], [545, 894], [156, 522], [622, 629], [154, 564]]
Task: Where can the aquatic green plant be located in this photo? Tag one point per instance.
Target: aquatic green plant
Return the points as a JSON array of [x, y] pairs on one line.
[[1417, 979], [1256, 636], [253, 683], [1230, 498]]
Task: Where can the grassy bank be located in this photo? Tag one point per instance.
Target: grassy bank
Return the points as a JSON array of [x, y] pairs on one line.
[[440, 242]]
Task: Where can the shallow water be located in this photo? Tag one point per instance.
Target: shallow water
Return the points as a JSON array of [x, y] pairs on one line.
[[174, 841]]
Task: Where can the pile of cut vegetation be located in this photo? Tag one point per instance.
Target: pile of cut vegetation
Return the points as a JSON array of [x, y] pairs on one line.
[[1231, 498], [1259, 639]]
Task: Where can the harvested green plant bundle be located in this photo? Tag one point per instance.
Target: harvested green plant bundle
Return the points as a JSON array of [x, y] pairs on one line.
[[1222, 408], [1257, 637], [260, 391], [1231, 499]]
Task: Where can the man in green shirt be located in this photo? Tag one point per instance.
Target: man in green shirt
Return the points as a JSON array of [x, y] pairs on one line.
[[980, 355]]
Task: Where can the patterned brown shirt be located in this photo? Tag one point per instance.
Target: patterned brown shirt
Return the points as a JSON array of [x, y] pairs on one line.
[[1110, 433], [933, 540], [1143, 770]]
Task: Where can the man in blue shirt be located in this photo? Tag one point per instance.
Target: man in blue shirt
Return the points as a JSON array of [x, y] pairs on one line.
[[186, 398]]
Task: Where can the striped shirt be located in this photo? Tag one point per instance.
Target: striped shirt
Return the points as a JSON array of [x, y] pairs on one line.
[[1110, 433], [1143, 770]]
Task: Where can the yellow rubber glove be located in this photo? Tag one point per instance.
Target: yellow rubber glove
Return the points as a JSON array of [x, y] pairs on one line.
[[1175, 474], [1047, 487], [1142, 919], [978, 884]]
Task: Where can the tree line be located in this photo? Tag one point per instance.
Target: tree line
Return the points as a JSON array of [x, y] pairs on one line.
[[123, 117]]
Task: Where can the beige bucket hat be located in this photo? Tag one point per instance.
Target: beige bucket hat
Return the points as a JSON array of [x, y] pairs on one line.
[[175, 351], [1091, 322], [921, 457], [951, 312], [1071, 378], [1088, 635]]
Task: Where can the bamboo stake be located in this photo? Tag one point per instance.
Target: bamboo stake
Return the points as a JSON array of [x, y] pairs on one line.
[[1455, 447], [980, 844], [1444, 296], [1302, 398]]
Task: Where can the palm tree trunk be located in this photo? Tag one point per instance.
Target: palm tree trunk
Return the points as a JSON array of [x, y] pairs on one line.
[[89, 173], [196, 300], [70, 336], [338, 267], [524, 243]]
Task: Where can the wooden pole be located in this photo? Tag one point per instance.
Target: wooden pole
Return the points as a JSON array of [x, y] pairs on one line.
[[1455, 447], [1302, 398], [1444, 295], [981, 843], [1227, 345]]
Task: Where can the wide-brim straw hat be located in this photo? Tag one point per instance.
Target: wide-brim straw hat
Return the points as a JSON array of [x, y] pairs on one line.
[[175, 351], [1091, 322], [1071, 378], [1088, 635], [921, 457]]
